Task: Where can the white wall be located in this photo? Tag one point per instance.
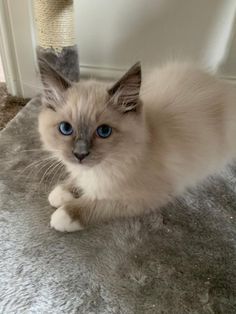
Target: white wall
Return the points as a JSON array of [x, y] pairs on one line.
[[115, 34]]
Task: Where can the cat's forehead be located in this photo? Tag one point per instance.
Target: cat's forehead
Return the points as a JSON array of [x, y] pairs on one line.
[[88, 98]]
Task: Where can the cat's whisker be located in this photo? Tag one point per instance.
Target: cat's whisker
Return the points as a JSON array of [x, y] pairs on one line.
[[47, 170], [37, 163], [35, 171], [53, 172], [37, 150], [12, 163], [57, 170], [44, 165], [35, 139], [61, 175], [31, 150]]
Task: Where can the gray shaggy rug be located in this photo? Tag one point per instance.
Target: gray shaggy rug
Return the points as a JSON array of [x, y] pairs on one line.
[[180, 260]]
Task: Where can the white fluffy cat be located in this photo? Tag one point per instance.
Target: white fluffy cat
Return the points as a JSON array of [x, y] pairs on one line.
[[131, 147]]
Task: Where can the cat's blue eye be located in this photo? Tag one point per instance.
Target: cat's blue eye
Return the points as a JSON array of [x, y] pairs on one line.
[[65, 128], [104, 131]]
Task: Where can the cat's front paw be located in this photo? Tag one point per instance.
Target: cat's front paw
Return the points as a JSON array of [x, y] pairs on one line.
[[59, 196], [61, 221]]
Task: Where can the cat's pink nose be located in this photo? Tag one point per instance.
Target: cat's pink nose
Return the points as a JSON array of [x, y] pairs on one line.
[[81, 156]]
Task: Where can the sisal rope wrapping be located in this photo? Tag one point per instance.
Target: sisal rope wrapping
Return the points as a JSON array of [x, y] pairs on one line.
[[55, 23]]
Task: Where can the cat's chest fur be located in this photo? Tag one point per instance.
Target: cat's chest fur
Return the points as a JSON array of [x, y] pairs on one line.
[[96, 183]]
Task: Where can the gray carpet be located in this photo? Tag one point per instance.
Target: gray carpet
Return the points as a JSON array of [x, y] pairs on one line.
[[182, 260]]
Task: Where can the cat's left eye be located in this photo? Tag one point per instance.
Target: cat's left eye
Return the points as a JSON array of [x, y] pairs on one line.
[[104, 131], [65, 128]]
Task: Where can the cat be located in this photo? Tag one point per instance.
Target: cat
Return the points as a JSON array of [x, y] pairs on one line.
[[132, 146]]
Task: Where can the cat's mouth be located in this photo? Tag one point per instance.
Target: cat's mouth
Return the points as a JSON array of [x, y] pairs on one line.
[[79, 161], [85, 161], [88, 161]]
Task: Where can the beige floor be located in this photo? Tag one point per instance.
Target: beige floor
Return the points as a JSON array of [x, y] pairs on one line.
[[2, 78]]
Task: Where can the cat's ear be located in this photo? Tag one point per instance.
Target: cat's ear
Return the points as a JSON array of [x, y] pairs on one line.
[[54, 84], [125, 92]]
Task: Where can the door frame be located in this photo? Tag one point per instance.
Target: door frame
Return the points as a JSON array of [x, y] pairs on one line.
[[7, 51], [17, 47]]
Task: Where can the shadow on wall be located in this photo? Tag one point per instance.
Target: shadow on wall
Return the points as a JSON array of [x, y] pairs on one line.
[[228, 66], [2, 77]]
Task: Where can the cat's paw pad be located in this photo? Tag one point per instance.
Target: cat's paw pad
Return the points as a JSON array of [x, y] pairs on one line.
[[61, 221], [59, 196]]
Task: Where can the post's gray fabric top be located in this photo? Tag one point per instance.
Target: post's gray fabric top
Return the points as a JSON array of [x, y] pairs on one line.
[[182, 260]]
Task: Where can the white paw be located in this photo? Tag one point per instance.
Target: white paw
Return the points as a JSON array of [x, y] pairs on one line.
[[59, 196], [61, 221]]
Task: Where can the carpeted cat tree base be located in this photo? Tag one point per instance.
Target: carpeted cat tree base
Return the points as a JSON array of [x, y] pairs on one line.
[[180, 260]]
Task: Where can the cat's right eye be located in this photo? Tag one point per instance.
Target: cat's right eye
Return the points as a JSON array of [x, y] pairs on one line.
[[65, 128]]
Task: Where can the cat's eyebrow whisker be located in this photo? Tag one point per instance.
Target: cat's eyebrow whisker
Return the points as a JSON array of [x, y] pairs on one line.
[[39, 89]]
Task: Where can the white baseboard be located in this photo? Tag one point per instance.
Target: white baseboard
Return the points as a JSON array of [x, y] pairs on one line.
[[231, 78], [90, 71]]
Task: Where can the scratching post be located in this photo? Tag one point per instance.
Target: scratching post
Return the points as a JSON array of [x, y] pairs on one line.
[[56, 36]]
